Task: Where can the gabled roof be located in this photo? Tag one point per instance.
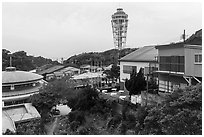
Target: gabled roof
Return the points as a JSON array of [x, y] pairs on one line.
[[72, 65], [85, 66], [51, 70], [144, 54], [195, 39]]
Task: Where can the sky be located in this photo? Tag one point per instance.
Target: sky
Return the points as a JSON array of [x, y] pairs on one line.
[[56, 30]]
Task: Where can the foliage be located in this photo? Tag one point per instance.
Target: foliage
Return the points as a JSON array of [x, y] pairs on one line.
[[77, 116], [27, 128], [51, 94], [179, 115], [74, 125], [136, 83], [114, 73], [98, 58], [114, 121], [101, 107], [22, 61], [84, 100]]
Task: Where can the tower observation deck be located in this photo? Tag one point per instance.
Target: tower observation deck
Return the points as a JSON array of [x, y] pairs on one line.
[[119, 26]]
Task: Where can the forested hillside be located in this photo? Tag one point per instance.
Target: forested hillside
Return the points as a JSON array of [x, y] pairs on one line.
[[22, 61], [97, 58], [25, 62]]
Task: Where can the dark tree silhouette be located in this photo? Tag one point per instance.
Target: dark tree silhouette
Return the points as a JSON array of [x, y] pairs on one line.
[[136, 83]]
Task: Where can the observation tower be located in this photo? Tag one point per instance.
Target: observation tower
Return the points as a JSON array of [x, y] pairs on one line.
[[119, 26]]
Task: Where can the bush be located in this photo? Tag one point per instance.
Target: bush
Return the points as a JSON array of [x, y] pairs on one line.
[[84, 100], [101, 107], [83, 131], [180, 114], [77, 116], [114, 121], [74, 125], [122, 128], [32, 127]]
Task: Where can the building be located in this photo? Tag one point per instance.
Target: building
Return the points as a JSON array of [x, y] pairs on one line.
[[85, 68], [17, 86], [70, 71], [48, 73], [59, 71], [145, 57], [180, 64]]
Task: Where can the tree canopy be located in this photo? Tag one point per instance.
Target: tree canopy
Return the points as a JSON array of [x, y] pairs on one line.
[[180, 114], [136, 83], [113, 73], [22, 61]]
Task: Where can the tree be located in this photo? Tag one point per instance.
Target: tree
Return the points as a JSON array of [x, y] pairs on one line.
[[136, 83], [180, 114], [51, 95], [113, 73], [22, 61], [84, 100]]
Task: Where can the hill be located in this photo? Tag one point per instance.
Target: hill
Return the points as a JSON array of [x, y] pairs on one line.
[[22, 61], [98, 58]]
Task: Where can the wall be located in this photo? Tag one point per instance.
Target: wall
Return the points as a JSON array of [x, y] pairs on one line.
[[192, 69], [139, 65], [174, 82], [171, 51]]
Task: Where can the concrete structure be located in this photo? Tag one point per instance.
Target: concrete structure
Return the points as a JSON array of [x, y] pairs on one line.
[[180, 64], [119, 26], [145, 57], [18, 86], [16, 114]]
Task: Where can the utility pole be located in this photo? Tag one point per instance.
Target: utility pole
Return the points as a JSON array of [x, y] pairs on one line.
[[10, 60], [184, 36]]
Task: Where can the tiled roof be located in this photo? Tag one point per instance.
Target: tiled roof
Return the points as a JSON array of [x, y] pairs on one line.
[[144, 54], [51, 70], [195, 39]]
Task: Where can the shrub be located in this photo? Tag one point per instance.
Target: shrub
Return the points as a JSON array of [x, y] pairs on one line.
[[83, 131], [77, 116], [74, 125], [114, 121]]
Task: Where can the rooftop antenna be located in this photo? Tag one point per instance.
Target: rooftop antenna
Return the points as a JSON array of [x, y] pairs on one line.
[[183, 36]]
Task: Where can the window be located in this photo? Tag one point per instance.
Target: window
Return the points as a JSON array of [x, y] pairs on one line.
[[171, 63], [129, 69], [198, 58]]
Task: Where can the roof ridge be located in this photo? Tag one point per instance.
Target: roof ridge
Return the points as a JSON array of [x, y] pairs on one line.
[[146, 50]]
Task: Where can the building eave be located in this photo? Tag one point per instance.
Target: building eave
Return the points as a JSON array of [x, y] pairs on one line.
[[170, 73], [193, 46], [146, 61]]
